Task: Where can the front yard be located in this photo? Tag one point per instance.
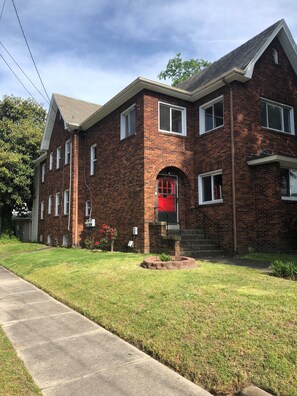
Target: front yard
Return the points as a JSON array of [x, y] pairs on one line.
[[221, 326]]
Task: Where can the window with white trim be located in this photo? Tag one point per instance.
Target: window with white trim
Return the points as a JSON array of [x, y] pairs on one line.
[[65, 241], [50, 204], [211, 115], [57, 204], [49, 240], [93, 159], [67, 152], [59, 156], [41, 210], [66, 202], [288, 184], [42, 172], [128, 122], [277, 116], [172, 119], [88, 208], [210, 187], [51, 160]]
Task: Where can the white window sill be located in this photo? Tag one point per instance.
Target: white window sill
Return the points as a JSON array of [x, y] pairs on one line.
[[289, 199], [173, 133], [210, 130], [211, 202], [278, 131]]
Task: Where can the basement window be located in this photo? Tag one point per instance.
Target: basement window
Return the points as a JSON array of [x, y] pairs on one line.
[[210, 187], [289, 184], [277, 116]]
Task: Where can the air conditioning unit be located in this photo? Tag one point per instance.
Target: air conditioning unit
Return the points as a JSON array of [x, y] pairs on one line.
[[90, 223]]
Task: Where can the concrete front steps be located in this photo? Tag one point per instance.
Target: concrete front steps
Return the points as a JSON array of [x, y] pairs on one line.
[[194, 244]]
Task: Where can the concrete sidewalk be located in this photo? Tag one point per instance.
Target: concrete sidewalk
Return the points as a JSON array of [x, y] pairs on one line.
[[68, 354]]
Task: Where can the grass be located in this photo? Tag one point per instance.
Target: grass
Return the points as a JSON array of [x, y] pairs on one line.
[[221, 326], [272, 257], [14, 378]]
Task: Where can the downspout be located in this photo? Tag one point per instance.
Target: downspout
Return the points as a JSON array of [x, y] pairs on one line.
[[234, 216]]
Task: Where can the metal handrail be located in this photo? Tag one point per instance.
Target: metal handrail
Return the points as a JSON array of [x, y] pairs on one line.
[[157, 208], [216, 224]]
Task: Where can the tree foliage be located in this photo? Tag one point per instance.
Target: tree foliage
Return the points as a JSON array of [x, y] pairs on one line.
[[179, 70], [21, 126]]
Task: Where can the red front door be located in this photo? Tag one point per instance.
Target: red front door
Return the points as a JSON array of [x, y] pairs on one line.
[[167, 198]]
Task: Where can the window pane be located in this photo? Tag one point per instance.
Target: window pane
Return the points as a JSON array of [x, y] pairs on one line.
[[132, 117], [274, 117], [217, 187], [164, 118], [218, 114], [176, 121], [208, 119], [206, 186], [293, 183], [285, 186], [287, 123], [263, 114]]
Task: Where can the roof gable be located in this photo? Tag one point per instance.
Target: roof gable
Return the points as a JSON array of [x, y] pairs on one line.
[[245, 57]]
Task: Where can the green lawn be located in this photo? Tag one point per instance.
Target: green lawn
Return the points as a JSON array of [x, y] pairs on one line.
[[14, 378], [221, 326]]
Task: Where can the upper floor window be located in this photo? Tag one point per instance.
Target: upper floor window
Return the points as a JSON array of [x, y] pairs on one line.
[[50, 204], [210, 187], [211, 115], [66, 202], [275, 56], [128, 122], [57, 206], [172, 119], [58, 159], [42, 172], [67, 152], [51, 160], [88, 208], [277, 116], [93, 159], [289, 184], [41, 210]]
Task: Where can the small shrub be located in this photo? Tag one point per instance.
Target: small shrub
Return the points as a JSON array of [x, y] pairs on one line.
[[164, 257], [284, 269], [88, 243], [8, 238]]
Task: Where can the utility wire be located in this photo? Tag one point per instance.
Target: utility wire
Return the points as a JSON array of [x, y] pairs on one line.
[[4, 2], [24, 72], [16, 11], [18, 78]]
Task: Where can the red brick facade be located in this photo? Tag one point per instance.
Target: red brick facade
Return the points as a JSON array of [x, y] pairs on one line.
[[122, 190]]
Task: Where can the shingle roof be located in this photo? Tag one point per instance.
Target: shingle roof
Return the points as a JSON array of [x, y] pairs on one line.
[[238, 58], [74, 111]]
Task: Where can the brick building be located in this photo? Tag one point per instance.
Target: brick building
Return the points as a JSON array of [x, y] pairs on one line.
[[217, 153]]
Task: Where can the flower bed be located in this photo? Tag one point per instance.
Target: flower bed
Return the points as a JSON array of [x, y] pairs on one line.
[[174, 264]]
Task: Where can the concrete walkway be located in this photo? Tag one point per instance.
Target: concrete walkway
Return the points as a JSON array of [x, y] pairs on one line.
[[68, 354]]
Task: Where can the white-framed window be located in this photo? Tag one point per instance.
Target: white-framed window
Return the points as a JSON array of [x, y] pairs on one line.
[[277, 116], [42, 172], [66, 202], [57, 204], [40, 238], [128, 122], [288, 184], [49, 240], [275, 55], [93, 158], [88, 208], [41, 210], [67, 152], [172, 119], [210, 186], [65, 241], [211, 115], [51, 160], [50, 204], [59, 156]]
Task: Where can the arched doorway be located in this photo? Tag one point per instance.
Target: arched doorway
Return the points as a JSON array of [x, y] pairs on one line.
[[167, 199]]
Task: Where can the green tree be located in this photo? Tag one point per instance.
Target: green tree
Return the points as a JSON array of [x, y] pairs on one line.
[[179, 70], [22, 123]]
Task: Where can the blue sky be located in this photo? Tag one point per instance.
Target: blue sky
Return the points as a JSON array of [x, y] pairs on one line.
[[91, 49]]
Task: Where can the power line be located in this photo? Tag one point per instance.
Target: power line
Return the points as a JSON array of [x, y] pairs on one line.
[[29, 49], [4, 2], [18, 78], [24, 72]]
